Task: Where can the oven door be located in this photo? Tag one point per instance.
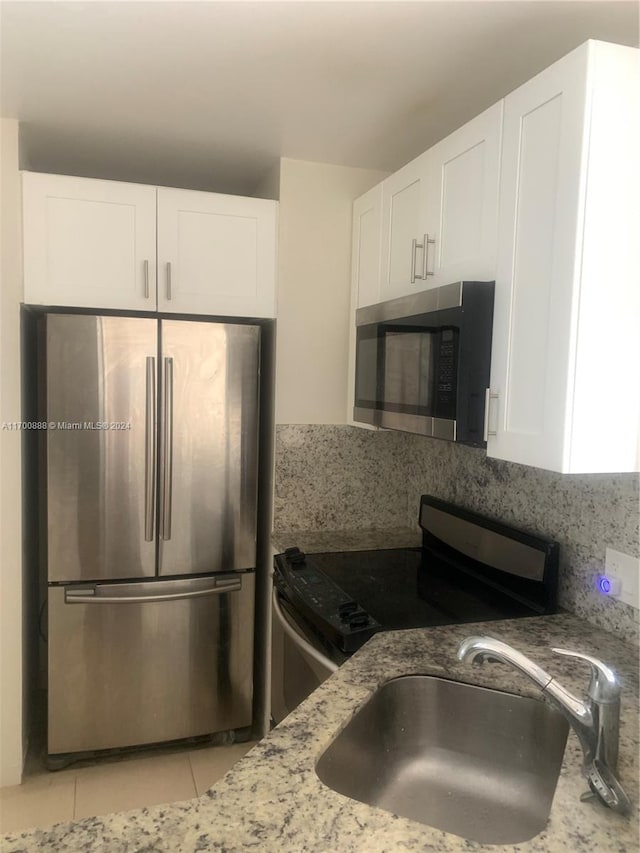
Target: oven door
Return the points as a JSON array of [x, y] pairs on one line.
[[298, 664]]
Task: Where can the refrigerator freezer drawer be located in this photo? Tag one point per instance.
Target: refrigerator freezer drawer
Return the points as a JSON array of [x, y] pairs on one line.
[[149, 662]]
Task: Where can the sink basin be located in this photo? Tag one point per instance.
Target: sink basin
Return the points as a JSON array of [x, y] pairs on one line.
[[479, 763]]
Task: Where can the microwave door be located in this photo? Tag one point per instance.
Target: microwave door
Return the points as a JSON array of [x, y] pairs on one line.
[[408, 372], [395, 376], [369, 360]]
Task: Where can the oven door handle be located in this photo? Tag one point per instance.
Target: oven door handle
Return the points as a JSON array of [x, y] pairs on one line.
[[299, 641]]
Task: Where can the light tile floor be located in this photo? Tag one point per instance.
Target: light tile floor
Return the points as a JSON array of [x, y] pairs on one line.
[[45, 798]]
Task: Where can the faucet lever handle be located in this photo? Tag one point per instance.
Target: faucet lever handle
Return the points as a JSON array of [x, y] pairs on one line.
[[605, 684]]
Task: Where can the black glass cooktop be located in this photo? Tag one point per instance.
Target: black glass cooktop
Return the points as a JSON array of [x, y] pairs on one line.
[[413, 588]]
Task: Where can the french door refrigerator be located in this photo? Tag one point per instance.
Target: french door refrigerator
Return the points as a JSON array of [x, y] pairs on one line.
[[151, 491]]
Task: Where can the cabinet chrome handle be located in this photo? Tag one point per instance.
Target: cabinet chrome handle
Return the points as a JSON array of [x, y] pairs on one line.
[[426, 242], [489, 395], [425, 255], [414, 246], [150, 451], [167, 465], [146, 279], [169, 280]]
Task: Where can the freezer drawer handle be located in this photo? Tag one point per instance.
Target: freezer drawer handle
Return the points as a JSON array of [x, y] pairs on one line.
[[84, 596]]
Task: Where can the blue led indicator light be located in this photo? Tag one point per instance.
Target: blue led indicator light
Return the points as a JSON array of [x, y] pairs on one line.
[[605, 585]]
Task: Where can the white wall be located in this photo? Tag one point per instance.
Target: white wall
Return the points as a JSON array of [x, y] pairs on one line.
[[12, 738], [269, 186], [314, 270]]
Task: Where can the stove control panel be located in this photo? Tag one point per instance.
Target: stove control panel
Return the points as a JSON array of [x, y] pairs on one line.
[[322, 602]]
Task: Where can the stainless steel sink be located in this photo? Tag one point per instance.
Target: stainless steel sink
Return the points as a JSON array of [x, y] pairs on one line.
[[479, 763]]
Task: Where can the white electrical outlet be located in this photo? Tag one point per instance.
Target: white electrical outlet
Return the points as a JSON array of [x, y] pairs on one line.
[[626, 569]]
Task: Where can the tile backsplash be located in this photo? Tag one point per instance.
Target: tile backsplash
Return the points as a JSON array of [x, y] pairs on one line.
[[345, 478], [339, 478]]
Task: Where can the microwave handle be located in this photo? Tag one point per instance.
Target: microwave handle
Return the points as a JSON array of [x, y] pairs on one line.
[[489, 395]]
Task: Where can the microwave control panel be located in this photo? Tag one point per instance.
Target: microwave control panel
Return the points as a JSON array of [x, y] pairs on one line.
[[447, 374]]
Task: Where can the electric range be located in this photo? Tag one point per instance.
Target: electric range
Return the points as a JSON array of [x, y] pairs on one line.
[[469, 569]]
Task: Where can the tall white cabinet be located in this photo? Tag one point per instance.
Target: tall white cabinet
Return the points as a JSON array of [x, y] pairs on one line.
[[105, 244], [566, 342]]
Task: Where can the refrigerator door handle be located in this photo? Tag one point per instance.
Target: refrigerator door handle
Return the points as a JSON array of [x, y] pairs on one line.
[[150, 451], [167, 461], [107, 594]]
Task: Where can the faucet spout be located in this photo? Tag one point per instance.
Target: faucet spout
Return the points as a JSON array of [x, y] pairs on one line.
[[477, 650], [595, 719]]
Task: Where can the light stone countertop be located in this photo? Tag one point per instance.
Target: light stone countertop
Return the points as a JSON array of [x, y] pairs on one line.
[[273, 802]]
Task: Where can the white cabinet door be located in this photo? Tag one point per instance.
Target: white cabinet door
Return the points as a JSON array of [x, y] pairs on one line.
[[462, 202], [403, 226], [365, 275], [605, 436], [216, 254], [534, 316], [88, 243], [565, 355], [366, 247]]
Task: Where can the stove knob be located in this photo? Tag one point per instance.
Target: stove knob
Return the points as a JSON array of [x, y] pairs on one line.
[[346, 609], [295, 557], [359, 620]]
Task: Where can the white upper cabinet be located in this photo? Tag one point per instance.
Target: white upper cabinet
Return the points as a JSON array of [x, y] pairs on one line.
[[404, 199], [440, 212], [365, 275], [89, 243], [566, 340], [462, 202], [94, 244], [216, 254], [366, 248]]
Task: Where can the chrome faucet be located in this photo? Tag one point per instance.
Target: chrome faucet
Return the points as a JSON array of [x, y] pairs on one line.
[[595, 719]]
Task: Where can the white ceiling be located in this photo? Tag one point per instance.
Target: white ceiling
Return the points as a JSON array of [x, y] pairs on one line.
[[210, 94]]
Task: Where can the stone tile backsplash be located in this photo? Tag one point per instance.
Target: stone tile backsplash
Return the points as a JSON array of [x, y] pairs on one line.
[[338, 478], [345, 478]]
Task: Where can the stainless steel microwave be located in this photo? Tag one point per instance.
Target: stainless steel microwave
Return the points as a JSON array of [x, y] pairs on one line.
[[423, 362]]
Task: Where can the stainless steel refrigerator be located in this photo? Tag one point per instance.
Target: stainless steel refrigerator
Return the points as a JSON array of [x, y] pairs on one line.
[[151, 490]]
